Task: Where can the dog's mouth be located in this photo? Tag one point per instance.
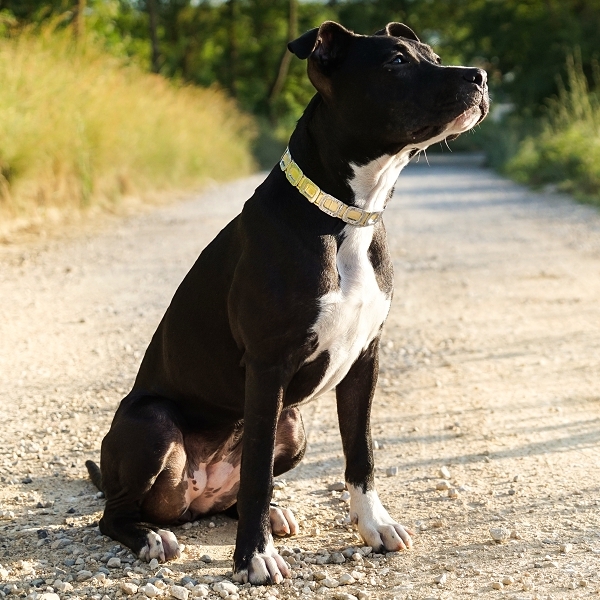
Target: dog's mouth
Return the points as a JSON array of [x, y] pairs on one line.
[[467, 120]]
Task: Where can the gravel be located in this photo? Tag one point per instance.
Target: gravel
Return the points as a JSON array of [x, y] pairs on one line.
[[489, 365]]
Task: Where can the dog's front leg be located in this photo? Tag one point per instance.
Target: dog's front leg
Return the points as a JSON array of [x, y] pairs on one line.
[[354, 396], [255, 558]]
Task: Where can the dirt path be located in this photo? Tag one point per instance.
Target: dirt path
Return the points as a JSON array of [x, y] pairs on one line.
[[490, 367]]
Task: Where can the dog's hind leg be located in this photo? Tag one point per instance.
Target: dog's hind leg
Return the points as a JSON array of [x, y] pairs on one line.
[[290, 446], [143, 478]]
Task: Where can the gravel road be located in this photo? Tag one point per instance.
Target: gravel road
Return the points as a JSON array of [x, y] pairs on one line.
[[487, 415]]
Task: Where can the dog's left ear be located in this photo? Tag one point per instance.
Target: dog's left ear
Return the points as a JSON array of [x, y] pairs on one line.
[[398, 30], [326, 44]]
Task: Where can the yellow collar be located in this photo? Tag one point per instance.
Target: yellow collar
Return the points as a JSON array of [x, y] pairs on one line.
[[328, 204]]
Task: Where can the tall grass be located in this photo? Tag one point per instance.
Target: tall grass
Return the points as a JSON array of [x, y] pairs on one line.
[[567, 150], [81, 128]]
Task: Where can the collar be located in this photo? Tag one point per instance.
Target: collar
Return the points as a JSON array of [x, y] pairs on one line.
[[327, 203]]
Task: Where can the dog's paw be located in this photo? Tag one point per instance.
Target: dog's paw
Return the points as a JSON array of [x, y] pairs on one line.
[[283, 521], [375, 525], [161, 545], [264, 568]]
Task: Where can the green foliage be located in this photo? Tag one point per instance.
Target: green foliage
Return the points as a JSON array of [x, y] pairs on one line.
[[567, 150]]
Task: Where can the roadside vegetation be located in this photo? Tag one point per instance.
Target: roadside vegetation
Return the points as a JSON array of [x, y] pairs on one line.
[[566, 150], [81, 128], [101, 99]]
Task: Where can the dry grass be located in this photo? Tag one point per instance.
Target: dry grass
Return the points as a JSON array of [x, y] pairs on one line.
[[80, 129]]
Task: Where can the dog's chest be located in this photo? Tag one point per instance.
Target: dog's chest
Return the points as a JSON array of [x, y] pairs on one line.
[[351, 316]]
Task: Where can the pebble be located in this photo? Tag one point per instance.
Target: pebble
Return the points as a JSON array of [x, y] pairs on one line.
[[279, 484], [498, 585], [154, 564], [391, 471], [566, 548], [345, 496], [508, 580], [444, 472], [337, 558], [149, 590], [440, 579], [453, 493], [179, 592], [49, 596], [330, 582], [114, 562], [357, 556], [527, 584], [128, 588], [338, 486], [499, 534], [200, 591], [62, 586], [225, 586], [206, 558], [442, 485], [344, 596], [346, 579], [84, 575]]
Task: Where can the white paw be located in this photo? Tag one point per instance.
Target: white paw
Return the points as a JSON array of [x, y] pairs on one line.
[[375, 525], [161, 545], [263, 568], [283, 521]]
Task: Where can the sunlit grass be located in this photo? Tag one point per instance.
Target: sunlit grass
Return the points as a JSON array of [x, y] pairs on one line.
[[567, 151], [79, 128]]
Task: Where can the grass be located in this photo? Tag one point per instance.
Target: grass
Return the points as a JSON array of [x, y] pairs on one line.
[[81, 129], [566, 151]]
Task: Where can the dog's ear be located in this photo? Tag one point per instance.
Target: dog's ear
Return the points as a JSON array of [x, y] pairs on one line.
[[399, 30], [327, 44]]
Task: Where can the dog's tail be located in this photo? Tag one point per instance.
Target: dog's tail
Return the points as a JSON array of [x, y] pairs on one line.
[[95, 474]]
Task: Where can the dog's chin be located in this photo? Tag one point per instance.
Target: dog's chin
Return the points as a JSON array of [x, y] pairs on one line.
[[464, 122]]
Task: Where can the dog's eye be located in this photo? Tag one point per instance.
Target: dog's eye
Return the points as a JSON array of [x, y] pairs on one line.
[[438, 60], [397, 60]]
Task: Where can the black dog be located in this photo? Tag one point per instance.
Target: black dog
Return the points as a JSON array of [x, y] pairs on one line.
[[286, 303]]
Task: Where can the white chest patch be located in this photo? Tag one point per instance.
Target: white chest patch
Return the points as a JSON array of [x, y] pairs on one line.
[[349, 318]]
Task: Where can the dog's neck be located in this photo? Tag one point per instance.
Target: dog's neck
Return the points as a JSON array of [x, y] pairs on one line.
[[341, 165]]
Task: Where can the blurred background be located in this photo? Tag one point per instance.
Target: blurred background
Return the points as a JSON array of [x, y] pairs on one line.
[[105, 99]]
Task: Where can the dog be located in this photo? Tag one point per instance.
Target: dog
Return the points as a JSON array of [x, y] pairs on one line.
[[285, 304]]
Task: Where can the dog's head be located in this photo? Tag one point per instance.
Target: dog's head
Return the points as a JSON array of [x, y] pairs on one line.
[[390, 87]]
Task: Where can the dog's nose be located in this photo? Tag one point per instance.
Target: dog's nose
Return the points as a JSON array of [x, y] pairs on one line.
[[476, 76]]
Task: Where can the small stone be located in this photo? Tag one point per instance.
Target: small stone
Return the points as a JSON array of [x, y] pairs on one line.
[[498, 585], [338, 486], [376, 445], [440, 579], [149, 590], [363, 595], [444, 473], [515, 535], [345, 496], [566, 548], [128, 588], [225, 586], [179, 592], [200, 591], [27, 480], [508, 580], [346, 579], [279, 484], [453, 493], [499, 534], [330, 582], [211, 524], [512, 492], [357, 557], [114, 562], [319, 575], [337, 558], [366, 550], [442, 485], [84, 575], [154, 564], [527, 584], [391, 471], [344, 596], [62, 586], [206, 558], [49, 596]]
